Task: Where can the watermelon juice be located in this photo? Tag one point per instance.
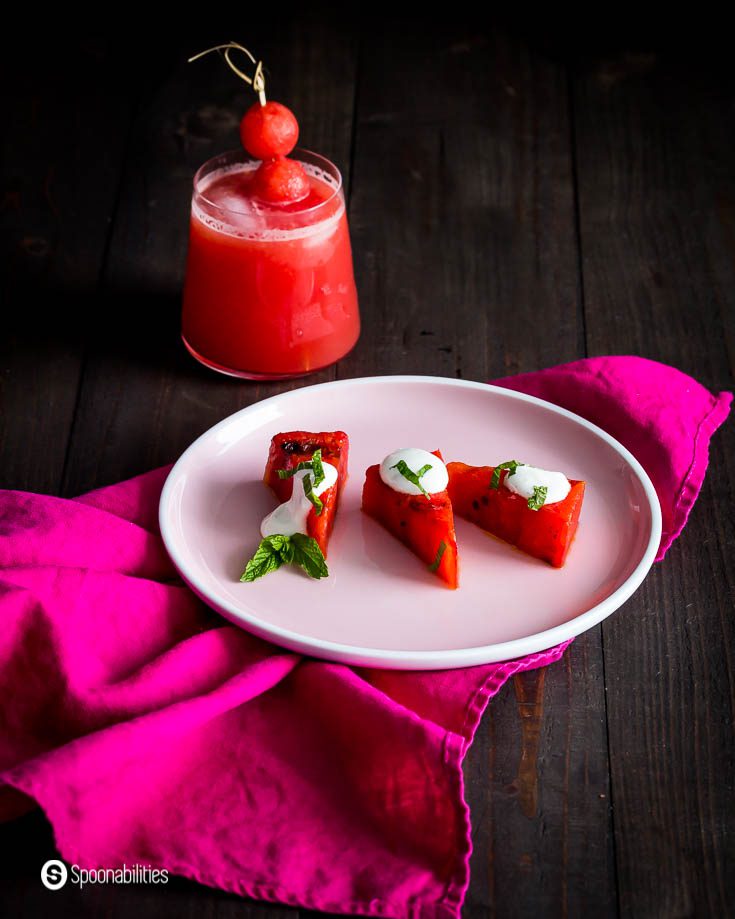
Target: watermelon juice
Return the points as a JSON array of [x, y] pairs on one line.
[[269, 290]]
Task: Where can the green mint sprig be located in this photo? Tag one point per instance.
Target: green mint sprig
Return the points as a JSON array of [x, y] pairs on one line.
[[317, 468], [510, 465], [278, 550], [312, 495], [413, 477], [538, 499], [439, 555]]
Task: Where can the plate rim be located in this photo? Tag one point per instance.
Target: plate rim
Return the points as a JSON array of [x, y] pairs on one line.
[[446, 659]]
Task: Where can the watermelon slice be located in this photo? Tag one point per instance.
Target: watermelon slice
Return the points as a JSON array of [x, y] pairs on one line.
[[289, 449], [425, 525], [546, 533]]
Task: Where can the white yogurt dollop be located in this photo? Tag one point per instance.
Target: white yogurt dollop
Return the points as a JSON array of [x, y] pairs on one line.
[[524, 479], [434, 480], [290, 517]]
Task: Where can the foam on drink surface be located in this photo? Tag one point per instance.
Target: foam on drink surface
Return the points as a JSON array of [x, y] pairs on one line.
[[229, 207]]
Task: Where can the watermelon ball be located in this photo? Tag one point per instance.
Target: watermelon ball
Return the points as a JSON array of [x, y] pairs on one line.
[[269, 130], [281, 181]]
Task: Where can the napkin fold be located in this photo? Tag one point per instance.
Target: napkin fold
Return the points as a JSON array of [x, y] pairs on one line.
[[153, 732]]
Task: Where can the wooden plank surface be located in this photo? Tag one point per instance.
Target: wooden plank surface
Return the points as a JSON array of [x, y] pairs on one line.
[[61, 160], [657, 208], [494, 192]]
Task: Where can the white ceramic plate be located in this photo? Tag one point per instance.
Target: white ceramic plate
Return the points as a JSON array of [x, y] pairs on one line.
[[380, 606]]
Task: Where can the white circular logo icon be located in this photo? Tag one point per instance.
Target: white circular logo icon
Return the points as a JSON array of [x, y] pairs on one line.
[[54, 874]]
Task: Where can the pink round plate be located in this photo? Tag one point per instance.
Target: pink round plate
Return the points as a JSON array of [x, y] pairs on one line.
[[380, 606]]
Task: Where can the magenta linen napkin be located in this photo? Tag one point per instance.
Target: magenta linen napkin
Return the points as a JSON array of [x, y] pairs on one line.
[[151, 731]]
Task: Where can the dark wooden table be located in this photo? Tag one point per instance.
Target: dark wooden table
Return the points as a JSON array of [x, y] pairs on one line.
[[514, 203]]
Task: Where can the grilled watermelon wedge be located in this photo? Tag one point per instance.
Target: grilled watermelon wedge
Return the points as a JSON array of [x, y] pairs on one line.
[[546, 533], [424, 525], [289, 449]]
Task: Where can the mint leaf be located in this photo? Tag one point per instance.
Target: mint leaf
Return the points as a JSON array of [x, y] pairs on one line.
[[288, 473], [286, 552], [309, 556], [318, 469], [413, 477], [537, 501], [314, 464], [311, 494], [439, 554], [510, 465], [267, 558], [278, 550]]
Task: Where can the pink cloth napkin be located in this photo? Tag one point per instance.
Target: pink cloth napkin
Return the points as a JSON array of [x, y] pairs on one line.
[[151, 731]]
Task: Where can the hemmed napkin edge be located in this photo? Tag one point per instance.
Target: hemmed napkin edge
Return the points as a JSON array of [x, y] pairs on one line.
[[694, 478], [456, 748]]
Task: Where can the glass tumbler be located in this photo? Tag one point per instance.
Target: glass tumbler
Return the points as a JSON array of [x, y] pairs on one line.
[[269, 290]]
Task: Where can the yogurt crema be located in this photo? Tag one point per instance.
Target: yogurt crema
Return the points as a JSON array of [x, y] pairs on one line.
[[433, 480], [526, 478], [290, 517]]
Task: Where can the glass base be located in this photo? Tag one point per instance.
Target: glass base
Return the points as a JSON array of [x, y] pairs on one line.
[[246, 374]]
